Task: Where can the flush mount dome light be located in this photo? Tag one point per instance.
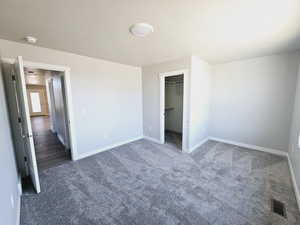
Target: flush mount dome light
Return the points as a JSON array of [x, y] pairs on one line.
[[31, 39], [141, 29]]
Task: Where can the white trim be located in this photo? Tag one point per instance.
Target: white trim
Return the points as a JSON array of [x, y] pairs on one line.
[[162, 77], [106, 148], [68, 94], [18, 205], [296, 189], [20, 189], [153, 139], [52, 130], [198, 145], [251, 147], [61, 140], [70, 114]]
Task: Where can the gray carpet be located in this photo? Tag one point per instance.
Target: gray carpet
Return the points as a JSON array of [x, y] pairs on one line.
[[144, 183]]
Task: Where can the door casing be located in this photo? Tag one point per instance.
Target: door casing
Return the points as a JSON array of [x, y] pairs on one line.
[[68, 95]]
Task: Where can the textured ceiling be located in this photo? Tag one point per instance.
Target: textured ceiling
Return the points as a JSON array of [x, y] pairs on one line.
[[217, 30]]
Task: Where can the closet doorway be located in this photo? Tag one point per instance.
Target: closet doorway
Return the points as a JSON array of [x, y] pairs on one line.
[[173, 107]]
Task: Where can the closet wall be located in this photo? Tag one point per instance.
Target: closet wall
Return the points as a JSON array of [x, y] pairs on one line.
[[58, 111], [174, 103]]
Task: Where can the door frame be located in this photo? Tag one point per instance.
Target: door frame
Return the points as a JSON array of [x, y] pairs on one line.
[[68, 94], [185, 113]]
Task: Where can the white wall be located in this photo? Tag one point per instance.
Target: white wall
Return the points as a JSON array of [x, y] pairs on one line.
[[294, 150], [252, 100], [9, 193], [151, 93], [174, 100], [200, 88], [59, 112], [107, 96]]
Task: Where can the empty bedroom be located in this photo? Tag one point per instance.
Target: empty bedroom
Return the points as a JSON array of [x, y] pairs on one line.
[[150, 112]]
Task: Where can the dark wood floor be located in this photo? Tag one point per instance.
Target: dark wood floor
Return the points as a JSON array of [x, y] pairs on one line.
[[173, 139], [49, 150]]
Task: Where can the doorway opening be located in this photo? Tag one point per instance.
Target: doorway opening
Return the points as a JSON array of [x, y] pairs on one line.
[[41, 117], [47, 108], [173, 109]]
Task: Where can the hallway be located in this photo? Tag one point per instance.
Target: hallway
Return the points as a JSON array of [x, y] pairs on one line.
[[49, 150]]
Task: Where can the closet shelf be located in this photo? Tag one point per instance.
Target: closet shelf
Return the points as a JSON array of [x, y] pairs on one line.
[[169, 108]]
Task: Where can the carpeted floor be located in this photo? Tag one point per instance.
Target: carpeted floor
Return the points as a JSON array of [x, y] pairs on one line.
[[144, 183]]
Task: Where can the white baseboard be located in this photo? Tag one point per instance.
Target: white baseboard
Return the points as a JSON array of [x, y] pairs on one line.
[[152, 139], [254, 147], [61, 139], [52, 130], [18, 203], [197, 145], [296, 189], [84, 155], [18, 208], [268, 150]]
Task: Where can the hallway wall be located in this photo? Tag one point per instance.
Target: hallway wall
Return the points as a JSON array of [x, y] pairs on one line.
[[294, 148], [59, 113]]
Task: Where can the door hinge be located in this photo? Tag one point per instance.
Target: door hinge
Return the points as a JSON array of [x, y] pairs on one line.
[[13, 77], [19, 120]]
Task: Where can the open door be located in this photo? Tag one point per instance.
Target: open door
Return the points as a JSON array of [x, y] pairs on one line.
[[25, 125]]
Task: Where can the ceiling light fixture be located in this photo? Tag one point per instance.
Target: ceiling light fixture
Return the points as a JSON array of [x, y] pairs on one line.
[[31, 39], [141, 29]]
